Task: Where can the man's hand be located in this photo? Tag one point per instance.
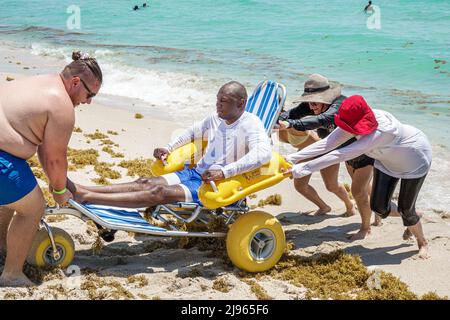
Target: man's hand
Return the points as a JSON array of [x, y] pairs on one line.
[[212, 175], [62, 199], [288, 173], [161, 153]]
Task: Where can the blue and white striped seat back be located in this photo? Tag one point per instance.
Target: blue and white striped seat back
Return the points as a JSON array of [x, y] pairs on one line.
[[266, 102], [121, 218]]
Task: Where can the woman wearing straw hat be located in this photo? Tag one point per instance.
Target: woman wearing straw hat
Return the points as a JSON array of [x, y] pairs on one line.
[[318, 105], [401, 152]]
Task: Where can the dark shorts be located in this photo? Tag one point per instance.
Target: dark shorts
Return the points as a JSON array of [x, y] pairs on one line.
[[16, 178], [360, 162]]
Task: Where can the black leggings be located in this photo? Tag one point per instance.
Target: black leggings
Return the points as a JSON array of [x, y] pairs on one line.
[[382, 189]]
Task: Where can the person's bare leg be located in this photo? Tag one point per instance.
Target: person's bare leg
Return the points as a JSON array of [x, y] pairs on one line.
[[152, 195], [330, 178], [360, 179], [394, 210], [137, 185], [409, 191], [407, 234], [5, 220], [417, 232], [22, 230], [377, 219], [305, 189]]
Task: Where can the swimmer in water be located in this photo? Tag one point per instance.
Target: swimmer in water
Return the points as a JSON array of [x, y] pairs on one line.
[[369, 7]]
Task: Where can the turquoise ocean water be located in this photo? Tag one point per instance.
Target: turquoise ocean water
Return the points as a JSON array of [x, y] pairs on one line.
[[177, 53]]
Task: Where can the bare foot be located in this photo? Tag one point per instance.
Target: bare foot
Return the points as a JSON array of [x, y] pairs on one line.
[[319, 212], [361, 234], [423, 252], [72, 186], [350, 211], [407, 235], [378, 221], [15, 281], [322, 211], [79, 196], [77, 190]]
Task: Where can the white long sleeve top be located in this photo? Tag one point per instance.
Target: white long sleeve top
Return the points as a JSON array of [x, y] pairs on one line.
[[399, 150], [237, 148]]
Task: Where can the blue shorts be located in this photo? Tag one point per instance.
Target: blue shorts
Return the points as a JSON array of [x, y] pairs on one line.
[[16, 178], [189, 179]]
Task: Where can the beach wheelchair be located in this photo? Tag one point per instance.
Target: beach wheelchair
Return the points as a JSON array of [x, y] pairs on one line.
[[255, 240]]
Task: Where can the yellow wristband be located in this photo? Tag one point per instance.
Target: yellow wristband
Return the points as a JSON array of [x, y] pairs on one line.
[[60, 192]]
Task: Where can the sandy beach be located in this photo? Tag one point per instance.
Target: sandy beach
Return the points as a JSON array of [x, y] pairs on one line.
[[145, 267]]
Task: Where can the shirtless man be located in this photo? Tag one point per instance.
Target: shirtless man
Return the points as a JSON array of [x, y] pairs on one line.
[[36, 115]]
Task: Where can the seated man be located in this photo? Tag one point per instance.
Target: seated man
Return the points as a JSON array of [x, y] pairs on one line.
[[237, 143]]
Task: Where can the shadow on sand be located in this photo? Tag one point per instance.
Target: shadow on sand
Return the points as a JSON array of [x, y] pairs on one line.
[[287, 218]]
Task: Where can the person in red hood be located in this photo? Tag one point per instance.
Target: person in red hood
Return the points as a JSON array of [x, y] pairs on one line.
[[401, 152]]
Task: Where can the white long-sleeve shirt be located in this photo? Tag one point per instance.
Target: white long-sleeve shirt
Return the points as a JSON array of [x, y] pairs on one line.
[[237, 148], [400, 151]]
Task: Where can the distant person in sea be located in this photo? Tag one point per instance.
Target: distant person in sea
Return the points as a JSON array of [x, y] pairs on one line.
[[369, 7], [136, 8], [144, 5]]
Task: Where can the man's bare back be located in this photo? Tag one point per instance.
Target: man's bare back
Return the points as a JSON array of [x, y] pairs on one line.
[[23, 123], [37, 115]]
